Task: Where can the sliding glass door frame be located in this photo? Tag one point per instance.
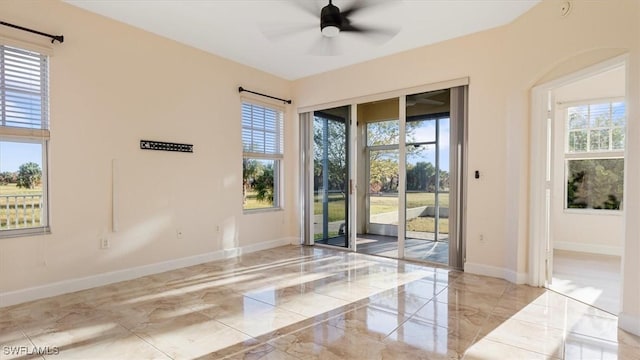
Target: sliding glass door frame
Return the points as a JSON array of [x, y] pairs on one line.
[[459, 93]]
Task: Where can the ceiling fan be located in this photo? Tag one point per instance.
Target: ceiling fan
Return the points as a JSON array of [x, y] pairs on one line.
[[334, 21], [425, 98]]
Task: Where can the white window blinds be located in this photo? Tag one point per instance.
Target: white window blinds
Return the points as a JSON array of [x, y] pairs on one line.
[[23, 89], [598, 127], [262, 131]]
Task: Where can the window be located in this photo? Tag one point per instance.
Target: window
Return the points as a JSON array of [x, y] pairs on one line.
[[594, 155], [24, 136], [262, 142]]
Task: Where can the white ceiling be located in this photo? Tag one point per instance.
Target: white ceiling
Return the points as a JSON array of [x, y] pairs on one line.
[[250, 31]]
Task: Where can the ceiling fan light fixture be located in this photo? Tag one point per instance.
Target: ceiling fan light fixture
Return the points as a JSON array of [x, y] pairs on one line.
[[330, 20], [330, 31]]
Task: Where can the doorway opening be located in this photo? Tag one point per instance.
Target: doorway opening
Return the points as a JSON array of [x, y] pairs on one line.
[[581, 219]]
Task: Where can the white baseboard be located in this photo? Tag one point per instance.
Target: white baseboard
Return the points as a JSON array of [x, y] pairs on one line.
[[496, 272], [629, 323], [588, 248], [66, 286]]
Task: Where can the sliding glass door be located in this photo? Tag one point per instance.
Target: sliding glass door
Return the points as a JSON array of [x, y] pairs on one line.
[[331, 176], [394, 186], [435, 122]]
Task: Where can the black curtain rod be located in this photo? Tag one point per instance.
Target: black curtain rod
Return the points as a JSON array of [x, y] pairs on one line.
[[59, 38], [241, 89]]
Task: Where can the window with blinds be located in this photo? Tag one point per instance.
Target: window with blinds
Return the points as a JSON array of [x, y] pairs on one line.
[[23, 89], [24, 139], [262, 130], [596, 127], [594, 156], [262, 143]]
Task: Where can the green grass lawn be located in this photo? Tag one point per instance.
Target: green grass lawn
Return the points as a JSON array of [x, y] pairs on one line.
[[336, 206], [252, 202], [383, 204], [378, 204], [12, 189], [427, 224]]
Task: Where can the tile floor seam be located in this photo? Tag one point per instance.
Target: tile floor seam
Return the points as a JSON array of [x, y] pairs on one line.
[[580, 301], [562, 345], [548, 357], [529, 350], [30, 340], [148, 343]]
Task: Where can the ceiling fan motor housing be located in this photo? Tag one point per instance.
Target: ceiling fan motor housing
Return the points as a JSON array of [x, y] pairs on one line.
[[330, 17]]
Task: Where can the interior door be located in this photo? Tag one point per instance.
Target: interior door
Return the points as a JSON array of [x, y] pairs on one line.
[[331, 176]]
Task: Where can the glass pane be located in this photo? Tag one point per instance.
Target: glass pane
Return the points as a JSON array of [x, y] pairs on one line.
[[383, 133], [421, 190], [383, 187], [599, 140], [421, 131], [427, 198], [578, 117], [599, 115], [618, 115], [595, 184], [578, 141], [617, 137], [24, 83], [259, 183], [21, 185], [443, 181]]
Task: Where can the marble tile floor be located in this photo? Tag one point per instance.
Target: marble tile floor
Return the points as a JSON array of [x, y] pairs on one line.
[[591, 278], [298, 302]]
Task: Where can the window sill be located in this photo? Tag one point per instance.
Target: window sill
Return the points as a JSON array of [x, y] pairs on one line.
[[14, 233], [260, 211], [597, 212]]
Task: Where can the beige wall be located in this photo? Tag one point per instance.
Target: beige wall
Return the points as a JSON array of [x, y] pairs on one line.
[[112, 85]]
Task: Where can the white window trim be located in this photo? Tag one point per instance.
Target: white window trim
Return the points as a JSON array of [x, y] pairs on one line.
[[35, 135]]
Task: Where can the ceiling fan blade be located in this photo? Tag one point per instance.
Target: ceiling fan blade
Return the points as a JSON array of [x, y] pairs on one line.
[[432, 93], [355, 7], [358, 5], [372, 34], [430, 102], [310, 7], [325, 46], [278, 32]]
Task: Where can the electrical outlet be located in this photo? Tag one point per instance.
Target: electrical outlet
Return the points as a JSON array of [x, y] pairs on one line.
[[481, 238], [104, 243], [178, 234]]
